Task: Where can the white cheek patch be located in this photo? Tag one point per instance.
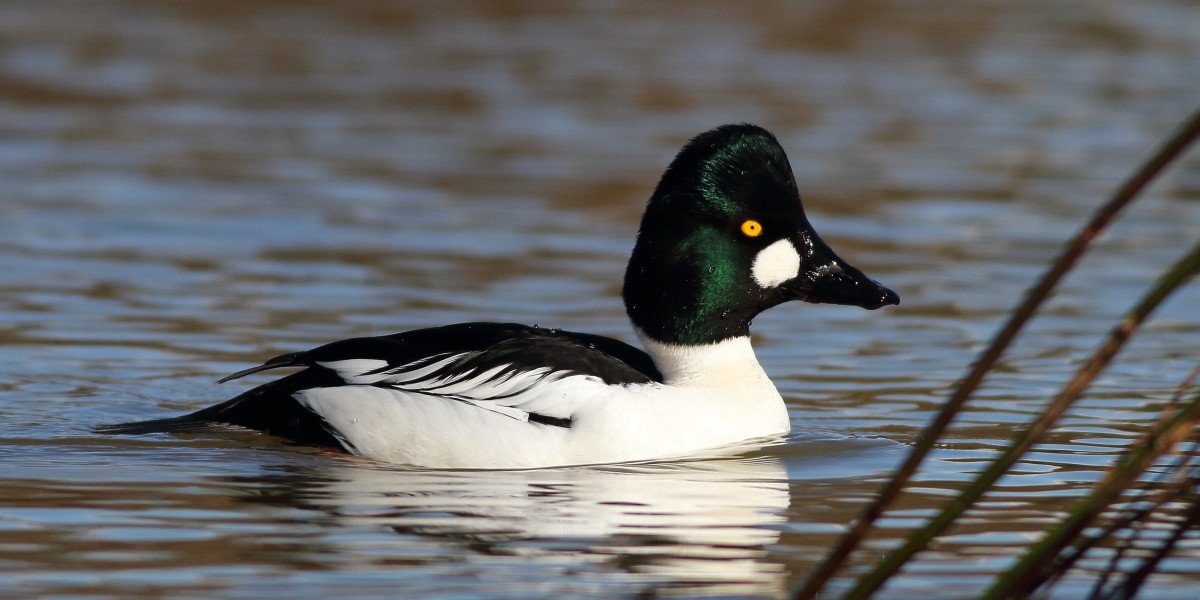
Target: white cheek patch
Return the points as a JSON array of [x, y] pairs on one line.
[[776, 264]]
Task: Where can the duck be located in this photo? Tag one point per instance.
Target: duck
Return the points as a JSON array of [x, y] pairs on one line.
[[723, 238]]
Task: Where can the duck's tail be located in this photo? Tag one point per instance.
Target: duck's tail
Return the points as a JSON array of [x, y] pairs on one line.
[[269, 408], [192, 423]]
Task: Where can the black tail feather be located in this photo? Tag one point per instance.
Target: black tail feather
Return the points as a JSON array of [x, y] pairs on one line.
[[183, 424], [269, 408]]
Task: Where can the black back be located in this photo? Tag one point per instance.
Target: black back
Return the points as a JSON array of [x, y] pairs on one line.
[[520, 347]]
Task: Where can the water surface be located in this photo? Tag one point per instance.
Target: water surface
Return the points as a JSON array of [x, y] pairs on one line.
[[189, 189]]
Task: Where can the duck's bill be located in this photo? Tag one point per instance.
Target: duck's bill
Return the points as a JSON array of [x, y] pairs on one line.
[[836, 282], [865, 293]]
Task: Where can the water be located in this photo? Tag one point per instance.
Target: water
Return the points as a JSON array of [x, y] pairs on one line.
[[189, 189]]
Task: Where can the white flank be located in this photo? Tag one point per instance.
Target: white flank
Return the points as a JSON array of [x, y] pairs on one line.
[[715, 395], [776, 264]]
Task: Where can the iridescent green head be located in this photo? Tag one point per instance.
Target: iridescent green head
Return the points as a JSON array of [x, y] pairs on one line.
[[724, 237]]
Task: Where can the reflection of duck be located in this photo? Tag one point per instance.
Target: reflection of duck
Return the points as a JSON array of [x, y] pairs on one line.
[[701, 523], [723, 238]]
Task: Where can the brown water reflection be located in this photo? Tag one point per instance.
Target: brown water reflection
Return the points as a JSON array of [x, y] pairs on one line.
[[190, 187]]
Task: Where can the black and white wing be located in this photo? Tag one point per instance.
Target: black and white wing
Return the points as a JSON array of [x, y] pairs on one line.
[[492, 366]]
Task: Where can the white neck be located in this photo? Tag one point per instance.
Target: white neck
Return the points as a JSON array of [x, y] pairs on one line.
[[719, 364]]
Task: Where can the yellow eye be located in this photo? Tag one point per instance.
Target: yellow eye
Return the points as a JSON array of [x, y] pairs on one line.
[[752, 228]]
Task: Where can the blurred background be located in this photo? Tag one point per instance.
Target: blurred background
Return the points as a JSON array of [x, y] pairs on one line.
[[188, 188]]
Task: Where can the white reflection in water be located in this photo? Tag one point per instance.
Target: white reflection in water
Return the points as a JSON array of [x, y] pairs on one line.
[[704, 522]]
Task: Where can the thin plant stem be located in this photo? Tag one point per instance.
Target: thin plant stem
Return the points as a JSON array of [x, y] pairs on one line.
[[1168, 152]]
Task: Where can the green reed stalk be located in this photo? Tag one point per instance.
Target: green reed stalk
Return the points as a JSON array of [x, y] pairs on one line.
[[1174, 146]]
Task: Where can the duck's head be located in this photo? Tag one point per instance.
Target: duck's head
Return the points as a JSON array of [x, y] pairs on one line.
[[724, 237]]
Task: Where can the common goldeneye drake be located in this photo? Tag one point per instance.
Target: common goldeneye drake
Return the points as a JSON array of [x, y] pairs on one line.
[[723, 238]]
